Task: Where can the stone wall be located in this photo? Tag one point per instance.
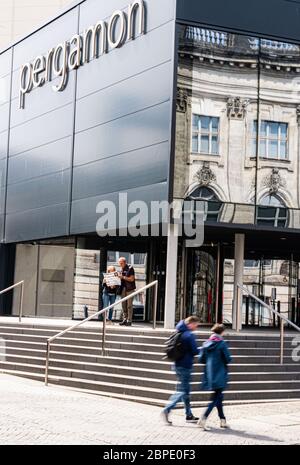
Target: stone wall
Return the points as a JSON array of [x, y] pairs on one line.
[[86, 282]]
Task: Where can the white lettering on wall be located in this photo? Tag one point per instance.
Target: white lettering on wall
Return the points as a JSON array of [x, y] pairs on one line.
[[94, 42]]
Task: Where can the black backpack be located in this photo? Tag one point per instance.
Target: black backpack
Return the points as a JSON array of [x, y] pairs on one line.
[[174, 347]]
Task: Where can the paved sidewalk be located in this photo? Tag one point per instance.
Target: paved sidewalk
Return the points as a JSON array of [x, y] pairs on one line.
[[34, 414]]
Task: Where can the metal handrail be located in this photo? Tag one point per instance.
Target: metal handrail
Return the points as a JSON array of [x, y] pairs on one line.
[[101, 312], [283, 319], [21, 283]]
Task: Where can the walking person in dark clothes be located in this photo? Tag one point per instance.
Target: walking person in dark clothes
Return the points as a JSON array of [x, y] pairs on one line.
[[215, 355], [184, 370]]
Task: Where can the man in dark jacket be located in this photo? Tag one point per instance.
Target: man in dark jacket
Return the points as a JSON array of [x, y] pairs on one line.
[[184, 369], [127, 276], [215, 355]]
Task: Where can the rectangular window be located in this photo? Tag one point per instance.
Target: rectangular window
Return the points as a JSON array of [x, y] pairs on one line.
[[205, 137], [273, 140]]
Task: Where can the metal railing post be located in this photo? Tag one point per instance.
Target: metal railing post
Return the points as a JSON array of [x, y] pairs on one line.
[[238, 309], [97, 314], [155, 305], [47, 363], [10, 288], [103, 334], [283, 319], [281, 341], [21, 302]]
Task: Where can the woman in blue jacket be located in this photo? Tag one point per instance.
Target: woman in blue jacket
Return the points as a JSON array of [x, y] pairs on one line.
[[215, 355]]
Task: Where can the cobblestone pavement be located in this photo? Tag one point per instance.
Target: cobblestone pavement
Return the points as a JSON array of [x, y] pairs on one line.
[[34, 414]]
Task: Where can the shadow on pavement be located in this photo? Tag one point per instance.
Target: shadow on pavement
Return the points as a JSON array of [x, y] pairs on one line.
[[234, 432]]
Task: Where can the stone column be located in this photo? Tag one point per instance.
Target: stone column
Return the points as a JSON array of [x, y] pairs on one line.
[[238, 279], [171, 276]]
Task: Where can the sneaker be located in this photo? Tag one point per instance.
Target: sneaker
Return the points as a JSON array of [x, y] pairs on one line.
[[191, 419], [224, 424], [128, 323], [123, 323], [202, 424], [165, 417]]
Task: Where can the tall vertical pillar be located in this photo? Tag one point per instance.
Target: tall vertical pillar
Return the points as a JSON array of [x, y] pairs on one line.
[[239, 250], [171, 276]]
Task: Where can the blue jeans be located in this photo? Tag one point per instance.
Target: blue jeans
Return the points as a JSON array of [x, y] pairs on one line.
[[109, 299], [216, 401], [184, 376]]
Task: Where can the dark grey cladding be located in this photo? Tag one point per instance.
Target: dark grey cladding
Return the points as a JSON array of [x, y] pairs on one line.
[[109, 129], [5, 91], [276, 18]]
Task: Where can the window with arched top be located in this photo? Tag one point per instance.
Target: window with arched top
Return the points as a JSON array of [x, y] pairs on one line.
[[272, 212], [212, 204]]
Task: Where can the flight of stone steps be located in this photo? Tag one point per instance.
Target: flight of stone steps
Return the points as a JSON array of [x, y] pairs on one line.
[[134, 369]]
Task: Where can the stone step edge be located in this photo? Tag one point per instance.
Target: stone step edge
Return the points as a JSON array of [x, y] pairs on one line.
[[139, 369], [56, 345], [146, 331], [123, 335], [145, 379], [161, 362], [99, 341], [137, 388]]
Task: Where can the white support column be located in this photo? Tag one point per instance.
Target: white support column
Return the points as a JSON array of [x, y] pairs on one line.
[[238, 279], [171, 276]]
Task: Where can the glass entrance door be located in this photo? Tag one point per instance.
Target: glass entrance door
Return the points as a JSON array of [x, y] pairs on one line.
[[201, 285]]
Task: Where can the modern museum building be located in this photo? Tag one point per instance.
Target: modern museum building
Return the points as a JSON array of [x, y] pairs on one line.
[[153, 101]]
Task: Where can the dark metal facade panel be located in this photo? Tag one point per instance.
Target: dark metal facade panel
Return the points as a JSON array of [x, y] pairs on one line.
[[142, 129], [4, 117], [43, 130], [134, 58], [38, 192], [46, 38], [157, 13], [115, 124], [121, 99], [274, 18], [123, 115], [3, 143], [2, 174], [109, 129], [5, 93], [131, 167], [40, 161], [86, 208], [40, 101], [39, 223]]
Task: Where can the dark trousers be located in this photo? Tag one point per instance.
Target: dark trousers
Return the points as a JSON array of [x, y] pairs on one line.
[[184, 376], [127, 306], [216, 401]]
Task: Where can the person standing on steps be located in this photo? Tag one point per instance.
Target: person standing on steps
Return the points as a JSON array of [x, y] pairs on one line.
[[215, 355], [109, 294], [128, 286], [184, 368]]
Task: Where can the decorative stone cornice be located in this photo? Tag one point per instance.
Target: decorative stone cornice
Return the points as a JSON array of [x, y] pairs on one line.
[[205, 175], [237, 107]]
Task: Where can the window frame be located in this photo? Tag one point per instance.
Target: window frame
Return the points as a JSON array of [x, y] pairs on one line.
[[267, 138], [205, 133], [277, 217]]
